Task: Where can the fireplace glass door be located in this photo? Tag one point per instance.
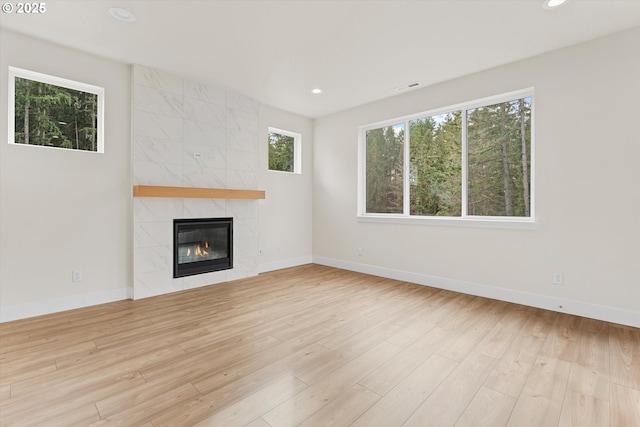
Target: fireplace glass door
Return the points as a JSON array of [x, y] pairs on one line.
[[202, 245]]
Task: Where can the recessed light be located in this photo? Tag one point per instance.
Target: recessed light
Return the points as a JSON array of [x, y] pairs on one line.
[[121, 14], [552, 4], [316, 91]]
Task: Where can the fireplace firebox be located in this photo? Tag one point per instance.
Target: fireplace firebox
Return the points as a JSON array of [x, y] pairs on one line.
[[202, 245]]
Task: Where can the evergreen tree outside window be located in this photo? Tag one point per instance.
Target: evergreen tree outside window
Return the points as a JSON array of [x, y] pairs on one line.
[[49, 111], [436, 165], [499, 146], [468, 161], [284, 151], [384, 169]]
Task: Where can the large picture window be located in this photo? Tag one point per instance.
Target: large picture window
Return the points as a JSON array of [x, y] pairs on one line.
[[49, 111], [470, 161]]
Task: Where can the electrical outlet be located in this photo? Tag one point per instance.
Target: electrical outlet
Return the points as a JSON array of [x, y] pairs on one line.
[[360, 252], [558, 278], [76, 275], [260, 251]]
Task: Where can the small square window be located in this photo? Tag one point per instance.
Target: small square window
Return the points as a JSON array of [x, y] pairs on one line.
[[49, 111], [284, 151]]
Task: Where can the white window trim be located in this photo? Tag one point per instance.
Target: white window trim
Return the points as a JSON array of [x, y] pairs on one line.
[[465, 219], [297, 150], [56, 81]]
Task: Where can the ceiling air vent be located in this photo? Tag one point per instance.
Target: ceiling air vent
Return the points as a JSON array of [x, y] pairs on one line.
[[407, 87]]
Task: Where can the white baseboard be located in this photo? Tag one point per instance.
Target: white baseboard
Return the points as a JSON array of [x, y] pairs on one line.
[[593, 311], [286, 263], [55, 305]]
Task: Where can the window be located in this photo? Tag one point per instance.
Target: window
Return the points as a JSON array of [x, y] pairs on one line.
[[385, 169], [53, 112], [284, 151], [471, 161], [435, 153]]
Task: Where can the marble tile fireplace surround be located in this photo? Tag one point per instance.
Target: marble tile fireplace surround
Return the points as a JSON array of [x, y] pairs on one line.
[[188, 134]]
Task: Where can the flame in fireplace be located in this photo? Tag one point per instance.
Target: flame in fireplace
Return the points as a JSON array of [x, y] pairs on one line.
[[200, 251]]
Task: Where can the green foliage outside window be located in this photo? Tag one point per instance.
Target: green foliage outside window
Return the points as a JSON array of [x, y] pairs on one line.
[[498, 172], [54, 116], [436, 155], [281, 152], [499, 147], [384, 169]]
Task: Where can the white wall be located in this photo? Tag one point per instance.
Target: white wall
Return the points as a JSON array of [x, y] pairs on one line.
[[62, 210], [285, 216], [587, 175]]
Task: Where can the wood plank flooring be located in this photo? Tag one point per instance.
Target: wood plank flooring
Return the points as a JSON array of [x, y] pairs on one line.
[[318, 346]]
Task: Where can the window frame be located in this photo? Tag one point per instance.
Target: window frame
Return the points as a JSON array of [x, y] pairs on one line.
[[15, 72], [297, 150], [464, 219]]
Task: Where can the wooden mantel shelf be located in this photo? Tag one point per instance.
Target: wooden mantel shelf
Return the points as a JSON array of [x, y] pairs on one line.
[[195, 193]]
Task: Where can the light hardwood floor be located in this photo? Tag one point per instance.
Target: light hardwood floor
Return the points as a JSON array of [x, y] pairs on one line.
[[317, 346]]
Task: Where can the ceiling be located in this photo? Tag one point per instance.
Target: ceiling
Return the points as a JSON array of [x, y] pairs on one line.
[[356, 51]]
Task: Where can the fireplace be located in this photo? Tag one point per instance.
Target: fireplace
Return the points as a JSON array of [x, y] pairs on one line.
[[202, 245]]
